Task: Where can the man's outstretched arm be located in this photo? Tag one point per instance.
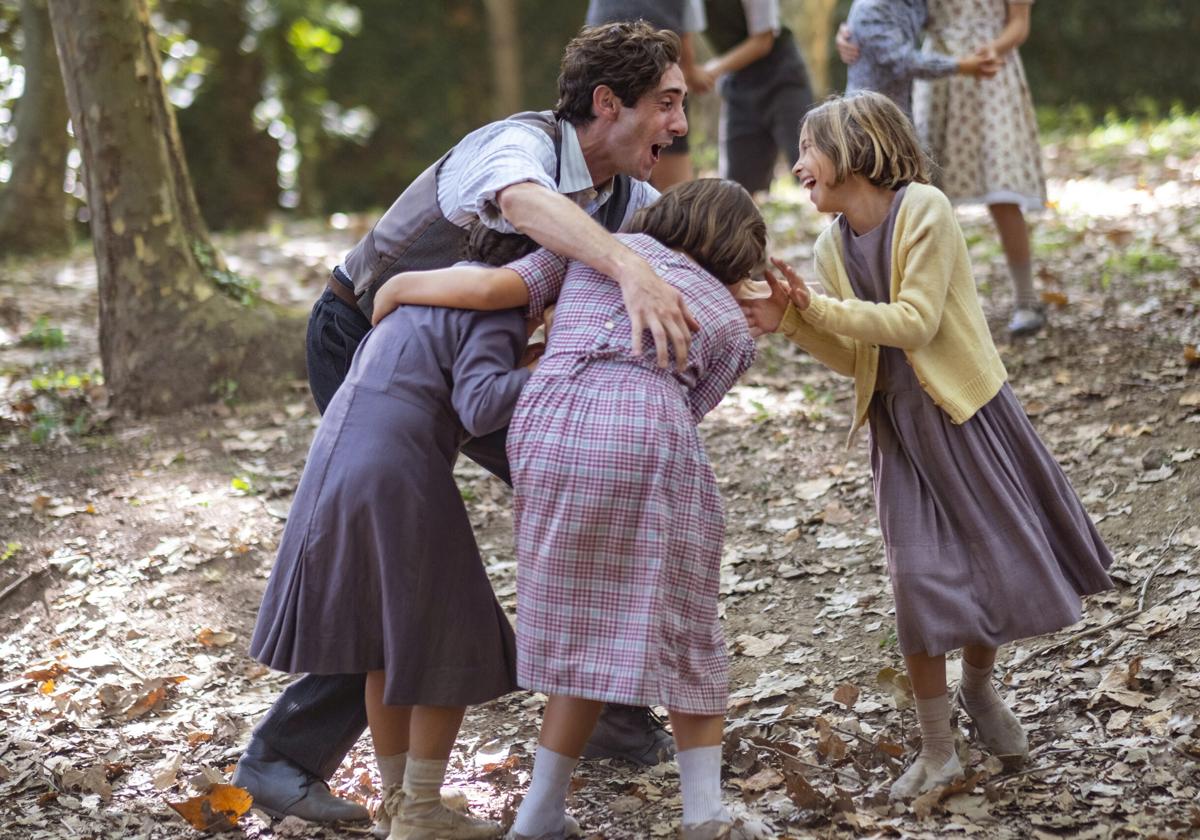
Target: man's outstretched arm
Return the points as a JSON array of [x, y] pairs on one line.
[[557, 223]]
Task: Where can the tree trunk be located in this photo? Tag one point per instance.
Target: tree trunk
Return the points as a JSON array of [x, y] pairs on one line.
[[33, 207], [506, 55], [814, 24], [233, 162], [168, 337]]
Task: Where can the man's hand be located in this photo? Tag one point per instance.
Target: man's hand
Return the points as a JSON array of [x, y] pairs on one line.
[[846, 48], [654, 305]]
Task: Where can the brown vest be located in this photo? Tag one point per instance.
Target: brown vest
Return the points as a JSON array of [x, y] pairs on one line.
[[414, 235]]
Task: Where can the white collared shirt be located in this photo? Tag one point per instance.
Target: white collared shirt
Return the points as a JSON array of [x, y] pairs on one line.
[[504, 153]]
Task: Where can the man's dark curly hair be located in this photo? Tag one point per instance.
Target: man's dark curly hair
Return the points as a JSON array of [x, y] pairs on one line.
[[628, 57]]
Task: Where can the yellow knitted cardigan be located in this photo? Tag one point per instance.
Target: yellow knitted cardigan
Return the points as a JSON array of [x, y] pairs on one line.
[[934, 316]]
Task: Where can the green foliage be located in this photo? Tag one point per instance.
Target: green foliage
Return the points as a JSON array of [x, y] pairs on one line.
[[10, 551], [243, 485], [62, 402], [225, 390], [242, 289], [43, 335]]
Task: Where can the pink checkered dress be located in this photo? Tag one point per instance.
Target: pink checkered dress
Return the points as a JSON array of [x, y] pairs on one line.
[[619, 524]]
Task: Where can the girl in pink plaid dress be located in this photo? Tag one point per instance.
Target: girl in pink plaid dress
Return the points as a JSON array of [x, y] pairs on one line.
[[619, 523]]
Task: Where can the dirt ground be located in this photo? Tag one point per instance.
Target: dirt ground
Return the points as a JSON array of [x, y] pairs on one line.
[[134, 554]]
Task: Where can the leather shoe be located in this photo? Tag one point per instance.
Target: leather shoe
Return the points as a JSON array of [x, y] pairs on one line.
[[570, 829], [630, 733], [282, 788]]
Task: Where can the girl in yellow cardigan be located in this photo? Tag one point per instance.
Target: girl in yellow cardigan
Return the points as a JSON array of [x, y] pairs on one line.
[[986, 541]]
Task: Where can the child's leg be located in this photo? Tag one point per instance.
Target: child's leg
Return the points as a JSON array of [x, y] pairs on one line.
[[567, 723], [937, 763], [998, 727], [389, 727], [698, 751], [1014, 239]]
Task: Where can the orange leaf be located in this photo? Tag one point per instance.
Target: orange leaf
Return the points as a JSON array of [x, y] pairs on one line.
[[894, 750], [47, 687], [1191, 355], [198, 738], [1059, 299], [146, 703], [55, 670], [215, 638], [217, 810]]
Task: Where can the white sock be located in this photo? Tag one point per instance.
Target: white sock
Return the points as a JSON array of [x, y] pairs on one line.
[[936, 763], [1024, 296], [700, 785], [998, 727], [423, 781], [391, 768], [544, 808]]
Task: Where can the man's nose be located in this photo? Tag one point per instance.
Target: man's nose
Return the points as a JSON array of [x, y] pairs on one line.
[[679, 125]]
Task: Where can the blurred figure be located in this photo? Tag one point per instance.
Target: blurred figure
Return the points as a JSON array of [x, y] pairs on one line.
[[763, 84]]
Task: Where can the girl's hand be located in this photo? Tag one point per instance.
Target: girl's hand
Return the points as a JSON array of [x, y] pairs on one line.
[[792, 284], [846, 47], [532, 355], [764, 314], [385, 301]]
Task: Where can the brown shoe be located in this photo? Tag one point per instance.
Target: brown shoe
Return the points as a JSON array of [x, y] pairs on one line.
[[630, 733]]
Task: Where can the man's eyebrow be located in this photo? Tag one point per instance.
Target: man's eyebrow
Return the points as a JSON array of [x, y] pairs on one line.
[[666, 91]]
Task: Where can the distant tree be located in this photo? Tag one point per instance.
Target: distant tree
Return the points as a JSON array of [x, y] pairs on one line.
[[176, 327], [504, 34], [233, 159], [33, 206]]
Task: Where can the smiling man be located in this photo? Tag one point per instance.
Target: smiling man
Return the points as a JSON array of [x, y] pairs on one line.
[[569, 179]]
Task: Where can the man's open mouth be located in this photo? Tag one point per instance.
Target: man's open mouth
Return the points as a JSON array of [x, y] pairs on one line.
[[656, 150]]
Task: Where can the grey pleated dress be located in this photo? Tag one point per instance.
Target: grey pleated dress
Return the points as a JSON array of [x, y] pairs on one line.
[[377, 567], [986, 540]]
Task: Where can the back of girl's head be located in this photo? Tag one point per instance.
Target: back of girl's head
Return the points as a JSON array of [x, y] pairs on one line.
[[713, 221], [489, 246], [867, 134]]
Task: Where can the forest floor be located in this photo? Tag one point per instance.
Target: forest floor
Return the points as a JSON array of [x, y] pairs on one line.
[[133, 554]]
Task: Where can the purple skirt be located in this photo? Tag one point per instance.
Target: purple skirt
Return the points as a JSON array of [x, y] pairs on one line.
[[986, 540]]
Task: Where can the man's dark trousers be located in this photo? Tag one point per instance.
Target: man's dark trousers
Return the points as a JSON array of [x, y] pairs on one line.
[[319, 717]]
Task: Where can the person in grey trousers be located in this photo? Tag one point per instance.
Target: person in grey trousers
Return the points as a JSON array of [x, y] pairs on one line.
[[569, 179]]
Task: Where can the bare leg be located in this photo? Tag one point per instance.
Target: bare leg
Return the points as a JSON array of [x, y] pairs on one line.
[[567, 723], [927, 673], [389, 724], [671, 170], [433, 731]]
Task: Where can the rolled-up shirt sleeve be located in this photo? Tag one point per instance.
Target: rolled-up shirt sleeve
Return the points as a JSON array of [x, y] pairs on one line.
[[484, 163], [543, 273], [761, 16]]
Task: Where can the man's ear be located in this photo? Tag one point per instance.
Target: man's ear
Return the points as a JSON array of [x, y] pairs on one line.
[[605, 103]]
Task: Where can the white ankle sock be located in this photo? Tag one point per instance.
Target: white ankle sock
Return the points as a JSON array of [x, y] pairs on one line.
[[391, 768], [1024, 296], [700, 785], [545, 805], [423, 781]]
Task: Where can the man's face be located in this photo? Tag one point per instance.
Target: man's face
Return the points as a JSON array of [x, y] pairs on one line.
[[643, 131]]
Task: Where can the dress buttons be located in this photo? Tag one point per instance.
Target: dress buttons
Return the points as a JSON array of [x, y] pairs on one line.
[[608, 325]]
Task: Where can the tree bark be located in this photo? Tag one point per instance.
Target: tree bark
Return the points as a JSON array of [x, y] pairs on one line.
[[815, 26], [233, 162], [505, 40], [33, 206], [168, 337]]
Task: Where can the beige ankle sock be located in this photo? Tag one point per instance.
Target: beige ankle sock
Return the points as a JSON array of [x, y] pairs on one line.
[[1024, 297], [423, 782], [937, 763], [998, 727]]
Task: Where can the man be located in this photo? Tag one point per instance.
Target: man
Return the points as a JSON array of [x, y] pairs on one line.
[[568, 179], [683, 17]]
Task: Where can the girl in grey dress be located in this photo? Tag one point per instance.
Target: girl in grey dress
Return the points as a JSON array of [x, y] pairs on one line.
[[378, 571], [986, 540]]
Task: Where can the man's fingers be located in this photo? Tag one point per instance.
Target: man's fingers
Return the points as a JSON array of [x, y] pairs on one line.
[[635, 324], [660, 343]]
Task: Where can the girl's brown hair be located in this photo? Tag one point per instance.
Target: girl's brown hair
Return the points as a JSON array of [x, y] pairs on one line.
[[867, 134], [713, 221]]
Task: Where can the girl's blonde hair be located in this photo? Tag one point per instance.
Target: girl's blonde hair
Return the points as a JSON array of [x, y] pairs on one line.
[[867, 134], [713, 221]]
